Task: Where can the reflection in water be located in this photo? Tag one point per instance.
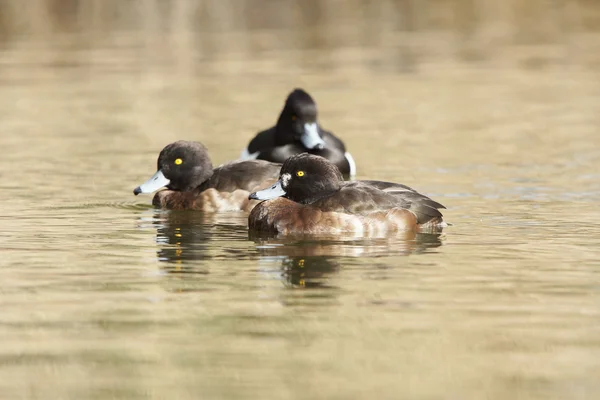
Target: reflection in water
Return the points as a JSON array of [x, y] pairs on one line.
[[300, 246], [308, 272], [184, 238], [306, 262], [181, 236], [188, 240]]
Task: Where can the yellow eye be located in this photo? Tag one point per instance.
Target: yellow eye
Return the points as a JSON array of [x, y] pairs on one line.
[[179, 161], [300, 173], [293, 117]]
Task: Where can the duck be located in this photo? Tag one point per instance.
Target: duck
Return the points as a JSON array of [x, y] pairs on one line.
[[311, 197], [298, 131], [184, 168]]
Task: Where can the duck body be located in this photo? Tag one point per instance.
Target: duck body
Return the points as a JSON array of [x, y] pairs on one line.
[[298, 131], [310, 197]]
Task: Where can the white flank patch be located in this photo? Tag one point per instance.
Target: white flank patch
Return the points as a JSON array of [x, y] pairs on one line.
[[359, 227], [285, 179], [248, 156], [352, 164]]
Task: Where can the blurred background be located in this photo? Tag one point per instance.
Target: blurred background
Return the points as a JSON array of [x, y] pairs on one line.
[[490, 107], [111, 74], [531, 34]]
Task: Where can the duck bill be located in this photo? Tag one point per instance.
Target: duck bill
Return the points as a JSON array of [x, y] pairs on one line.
[[311, 138], [274, 191], [156, 182]]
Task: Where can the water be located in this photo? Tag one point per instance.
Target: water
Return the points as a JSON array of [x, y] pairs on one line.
[[104, 297]]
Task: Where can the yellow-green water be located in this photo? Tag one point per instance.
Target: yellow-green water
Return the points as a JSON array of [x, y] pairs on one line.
[[103, 297]]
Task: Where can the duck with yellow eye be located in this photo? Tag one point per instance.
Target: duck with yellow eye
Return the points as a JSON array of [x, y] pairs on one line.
[[184, 169], [298, 131], [311, 197]]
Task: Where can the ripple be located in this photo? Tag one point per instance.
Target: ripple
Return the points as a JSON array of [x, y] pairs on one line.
[[133, 206]]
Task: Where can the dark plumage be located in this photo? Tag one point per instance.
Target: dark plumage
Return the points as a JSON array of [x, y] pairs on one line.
[[298, 131], [317, 200], [186, 171]]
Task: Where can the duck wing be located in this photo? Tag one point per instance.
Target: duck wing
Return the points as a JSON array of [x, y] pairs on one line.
[[250, 175], [364, 197], [389, 187]]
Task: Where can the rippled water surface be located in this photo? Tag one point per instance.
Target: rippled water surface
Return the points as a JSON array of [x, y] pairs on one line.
[[104, 297]]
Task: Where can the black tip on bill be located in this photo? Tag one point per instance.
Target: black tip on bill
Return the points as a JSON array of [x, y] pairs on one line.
[[137, 191], [253, 196]]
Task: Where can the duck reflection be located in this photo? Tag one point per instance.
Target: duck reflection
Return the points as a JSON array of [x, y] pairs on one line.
[[181, 237], [184, 238], [308, 272], [309, 262], [187, 239]]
